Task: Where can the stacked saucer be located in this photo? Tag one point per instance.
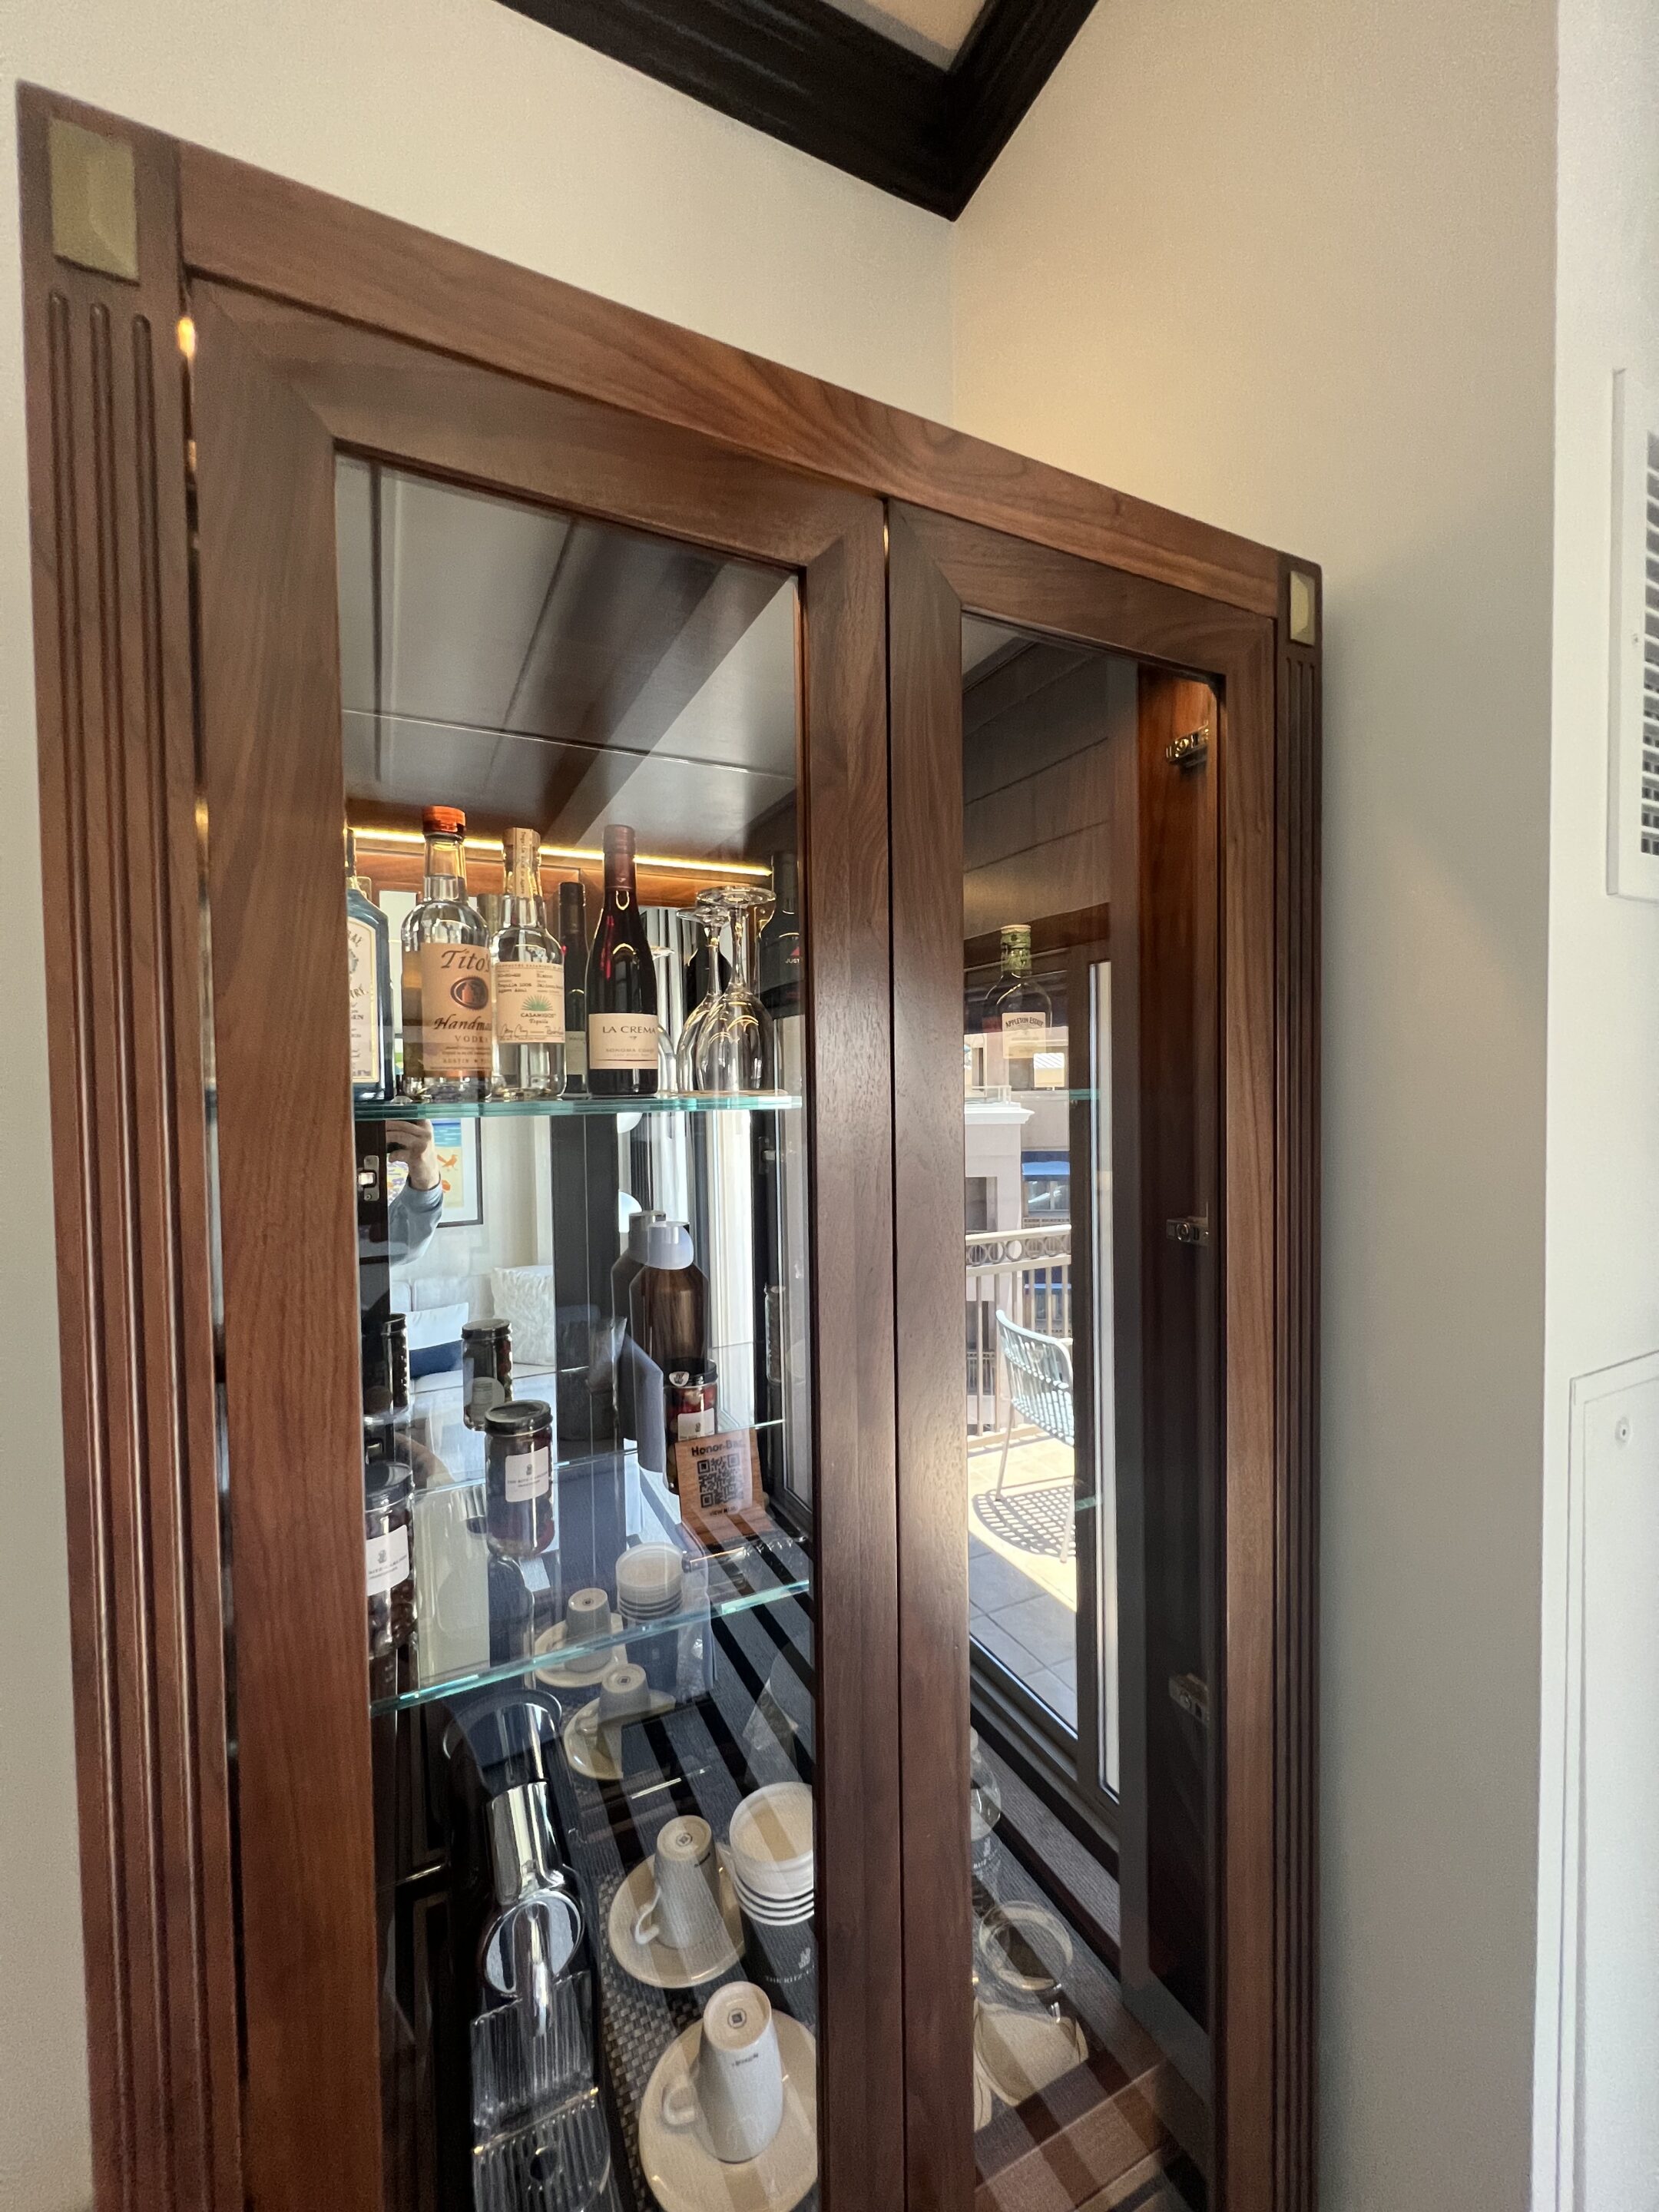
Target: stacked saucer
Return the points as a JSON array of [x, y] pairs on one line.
[[770, 1855], [650, 1582]]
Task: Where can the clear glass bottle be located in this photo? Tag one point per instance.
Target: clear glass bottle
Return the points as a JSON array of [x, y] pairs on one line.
[[527, 981], [622, 985], [368, 951], [448, 1039], [573, 943], [1019, 1016]]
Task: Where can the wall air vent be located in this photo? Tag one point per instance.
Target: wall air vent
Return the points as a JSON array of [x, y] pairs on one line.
[[1633, 684]]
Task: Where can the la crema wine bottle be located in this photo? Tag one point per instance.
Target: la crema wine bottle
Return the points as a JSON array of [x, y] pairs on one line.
[[622, 985]]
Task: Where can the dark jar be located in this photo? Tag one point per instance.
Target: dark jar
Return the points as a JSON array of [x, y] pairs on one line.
[[486, 1369], [388, 1559], [521, 1509]]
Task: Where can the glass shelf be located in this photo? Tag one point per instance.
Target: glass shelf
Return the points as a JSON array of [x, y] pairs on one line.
[[511, 1109], [764, 1569]]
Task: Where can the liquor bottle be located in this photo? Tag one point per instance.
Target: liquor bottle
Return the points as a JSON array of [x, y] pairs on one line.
[[573, 943], [448, 1043], [1017, 1015], [368, 951], [527, 981], [622, 985], [668, 1332]]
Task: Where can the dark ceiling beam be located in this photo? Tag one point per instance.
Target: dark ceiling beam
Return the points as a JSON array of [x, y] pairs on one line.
[[821, 81], [1006, 60]]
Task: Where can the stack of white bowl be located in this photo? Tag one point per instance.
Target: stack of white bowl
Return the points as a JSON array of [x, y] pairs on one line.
[[769, 1855], [650, 1579]]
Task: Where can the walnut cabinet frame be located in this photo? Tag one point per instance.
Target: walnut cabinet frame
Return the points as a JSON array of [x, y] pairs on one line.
[[181, 513]]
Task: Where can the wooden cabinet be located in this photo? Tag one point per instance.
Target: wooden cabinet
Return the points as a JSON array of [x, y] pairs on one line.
[[1009, 1596]]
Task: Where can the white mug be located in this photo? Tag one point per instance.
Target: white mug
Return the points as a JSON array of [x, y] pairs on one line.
[[734, 2097], [684, 1909]]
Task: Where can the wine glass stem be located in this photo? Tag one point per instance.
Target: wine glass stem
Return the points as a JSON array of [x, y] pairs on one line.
[[744, 940]]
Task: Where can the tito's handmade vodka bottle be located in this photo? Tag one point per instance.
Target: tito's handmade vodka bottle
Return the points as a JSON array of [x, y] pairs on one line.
[[448, 1037]]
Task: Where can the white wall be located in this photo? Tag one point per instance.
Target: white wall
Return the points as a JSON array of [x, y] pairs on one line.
[[1288, 263], [1602, 1298], [465, 118]]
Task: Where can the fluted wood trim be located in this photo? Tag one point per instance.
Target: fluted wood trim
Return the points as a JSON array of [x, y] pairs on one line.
[[112, 634]]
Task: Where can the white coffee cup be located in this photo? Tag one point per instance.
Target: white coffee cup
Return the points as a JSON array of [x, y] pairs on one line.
[[623, 1693], [587, 1612], [734, 2097], [684, 1910]]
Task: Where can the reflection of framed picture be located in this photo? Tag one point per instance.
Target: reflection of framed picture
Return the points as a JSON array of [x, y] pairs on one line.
[[459, 1163]]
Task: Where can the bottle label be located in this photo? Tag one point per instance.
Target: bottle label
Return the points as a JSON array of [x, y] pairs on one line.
[[529, 1474], [1022, 1035], [362, 954], [456, 1036], [529, 1002], [695, 1421], [386, 1560], [621, 1041]]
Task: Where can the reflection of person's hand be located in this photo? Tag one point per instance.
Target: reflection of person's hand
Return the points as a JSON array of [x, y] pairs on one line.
[[412, 1141]]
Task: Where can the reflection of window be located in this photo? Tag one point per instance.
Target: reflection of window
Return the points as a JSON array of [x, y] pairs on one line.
[[977, 1211], [1046, 1189]]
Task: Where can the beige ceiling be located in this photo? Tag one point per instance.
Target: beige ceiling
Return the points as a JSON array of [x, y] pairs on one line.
[[934, 28]]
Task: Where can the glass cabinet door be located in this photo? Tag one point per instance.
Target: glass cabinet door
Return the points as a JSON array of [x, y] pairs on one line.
[[1058, 1030], [576, 939], [613, 1578]]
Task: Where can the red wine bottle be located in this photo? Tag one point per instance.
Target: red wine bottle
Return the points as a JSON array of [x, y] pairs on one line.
[[622, 985]]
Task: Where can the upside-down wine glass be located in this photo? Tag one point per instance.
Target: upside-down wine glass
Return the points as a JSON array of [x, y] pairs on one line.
[[733, 1047], [712, 913]]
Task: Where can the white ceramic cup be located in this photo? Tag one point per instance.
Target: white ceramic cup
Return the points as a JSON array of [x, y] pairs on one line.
[[684, 1909], [623, 1693], [587, 1612], [734, 2097]]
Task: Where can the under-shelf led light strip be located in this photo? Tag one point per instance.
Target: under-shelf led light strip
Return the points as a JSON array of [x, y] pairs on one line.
[[725, 870]]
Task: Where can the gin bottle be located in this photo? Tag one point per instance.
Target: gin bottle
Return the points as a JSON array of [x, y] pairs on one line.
[[528, 981], [368, 955]]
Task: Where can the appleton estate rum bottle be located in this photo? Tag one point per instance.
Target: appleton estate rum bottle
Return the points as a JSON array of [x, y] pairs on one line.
[[622, 985], [1017, 1015], [448, 1036]]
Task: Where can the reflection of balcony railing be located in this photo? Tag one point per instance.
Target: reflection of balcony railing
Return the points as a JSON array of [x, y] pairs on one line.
[[1027, 1275]]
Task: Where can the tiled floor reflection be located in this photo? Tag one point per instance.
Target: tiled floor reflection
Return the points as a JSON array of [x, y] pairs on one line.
[[1022, 1566]]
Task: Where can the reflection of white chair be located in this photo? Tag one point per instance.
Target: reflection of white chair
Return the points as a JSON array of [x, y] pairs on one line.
[[1039, 1370]]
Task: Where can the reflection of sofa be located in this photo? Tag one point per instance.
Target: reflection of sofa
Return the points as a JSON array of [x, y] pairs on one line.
[[1039, 1370], [437, 1307]]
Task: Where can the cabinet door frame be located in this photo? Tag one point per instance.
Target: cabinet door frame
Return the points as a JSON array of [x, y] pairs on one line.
[[277, 392], [940, 568], [108, 440]]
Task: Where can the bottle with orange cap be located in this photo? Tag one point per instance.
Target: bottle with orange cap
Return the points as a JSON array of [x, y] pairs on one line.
[[448, 1034]]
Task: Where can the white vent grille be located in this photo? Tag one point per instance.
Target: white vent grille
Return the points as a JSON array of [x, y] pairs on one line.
[[1633, 690]]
